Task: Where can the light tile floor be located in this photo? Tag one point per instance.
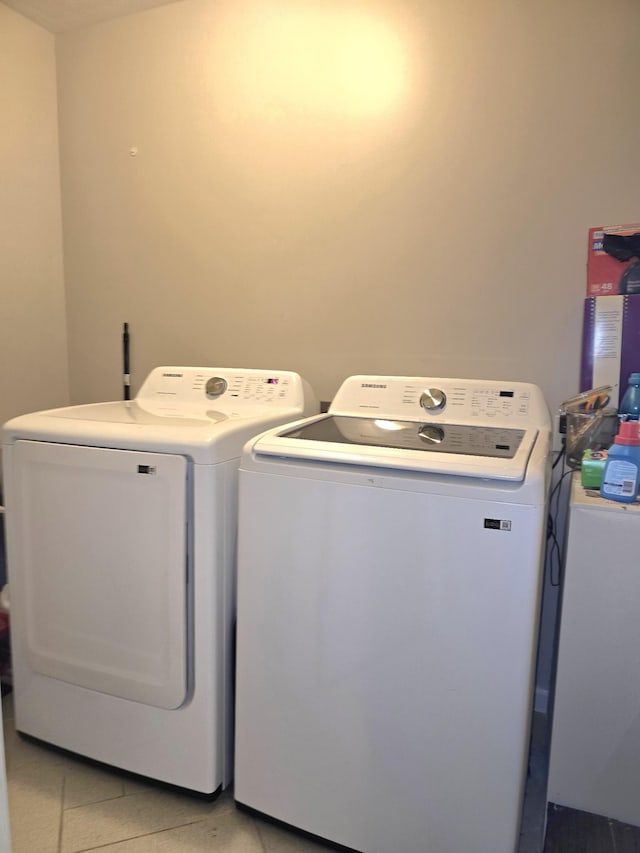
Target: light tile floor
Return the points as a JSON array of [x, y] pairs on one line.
[[60, 804]]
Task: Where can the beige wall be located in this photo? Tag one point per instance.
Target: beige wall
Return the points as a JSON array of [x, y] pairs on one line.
[[277, 214], [33, 355], [330, 186]]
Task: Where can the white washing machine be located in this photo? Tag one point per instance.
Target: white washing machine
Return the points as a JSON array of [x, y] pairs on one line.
[[121, 532], [390, 568]]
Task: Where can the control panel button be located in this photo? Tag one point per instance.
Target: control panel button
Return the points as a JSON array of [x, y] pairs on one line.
[[433, 400], [215, 387]]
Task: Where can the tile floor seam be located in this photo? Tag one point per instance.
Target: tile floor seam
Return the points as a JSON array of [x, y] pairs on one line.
[[61, 820], [99, 802], [260, 838], [143, 835]]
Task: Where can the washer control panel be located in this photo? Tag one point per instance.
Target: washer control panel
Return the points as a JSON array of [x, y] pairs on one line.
[[196, 391], [432, 399]]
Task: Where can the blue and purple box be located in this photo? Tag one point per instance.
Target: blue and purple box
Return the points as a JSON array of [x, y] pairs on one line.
[[610, 342]]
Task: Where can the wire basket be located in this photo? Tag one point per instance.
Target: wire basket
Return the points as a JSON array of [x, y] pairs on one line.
[[589, 431]]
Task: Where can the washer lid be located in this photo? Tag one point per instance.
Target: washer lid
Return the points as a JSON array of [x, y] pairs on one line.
[[468, 427], [471, 440], [491, 452]]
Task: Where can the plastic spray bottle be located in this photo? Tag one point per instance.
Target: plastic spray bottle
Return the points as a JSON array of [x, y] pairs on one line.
[[621, 478], [629, 409]]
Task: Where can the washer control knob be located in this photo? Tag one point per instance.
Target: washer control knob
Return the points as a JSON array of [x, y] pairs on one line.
[[431, 433], [433, 400], [215, 387]]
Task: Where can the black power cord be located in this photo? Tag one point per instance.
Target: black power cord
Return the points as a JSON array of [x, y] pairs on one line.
[[554, 552]]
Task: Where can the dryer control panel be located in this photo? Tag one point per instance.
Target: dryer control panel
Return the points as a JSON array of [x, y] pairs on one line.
[[201, 391], [454, 400]]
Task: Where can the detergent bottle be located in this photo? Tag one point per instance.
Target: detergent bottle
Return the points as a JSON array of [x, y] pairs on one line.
[[629, 409], [621, 478]]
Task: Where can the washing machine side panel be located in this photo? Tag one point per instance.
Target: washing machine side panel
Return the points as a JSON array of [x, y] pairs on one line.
[[386, 651], [99, 572]]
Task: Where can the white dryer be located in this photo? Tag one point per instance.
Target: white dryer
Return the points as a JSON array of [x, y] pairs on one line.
[[121, 531], [390, 568]]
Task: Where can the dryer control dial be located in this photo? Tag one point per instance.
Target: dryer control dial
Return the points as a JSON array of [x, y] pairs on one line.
[[433, 400], [215, 387]]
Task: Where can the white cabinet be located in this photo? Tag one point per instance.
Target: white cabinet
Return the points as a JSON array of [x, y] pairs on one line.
[[5, 839], [595, 747]]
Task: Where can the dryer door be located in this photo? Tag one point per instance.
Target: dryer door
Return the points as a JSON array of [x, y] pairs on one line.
[[99, 568]]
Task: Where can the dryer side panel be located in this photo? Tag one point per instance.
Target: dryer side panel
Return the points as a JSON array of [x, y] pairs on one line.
[[99, 573]]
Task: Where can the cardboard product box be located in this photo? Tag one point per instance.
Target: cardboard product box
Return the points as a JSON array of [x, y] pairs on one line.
[[592, 468], [613, 265], [610, 343]]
